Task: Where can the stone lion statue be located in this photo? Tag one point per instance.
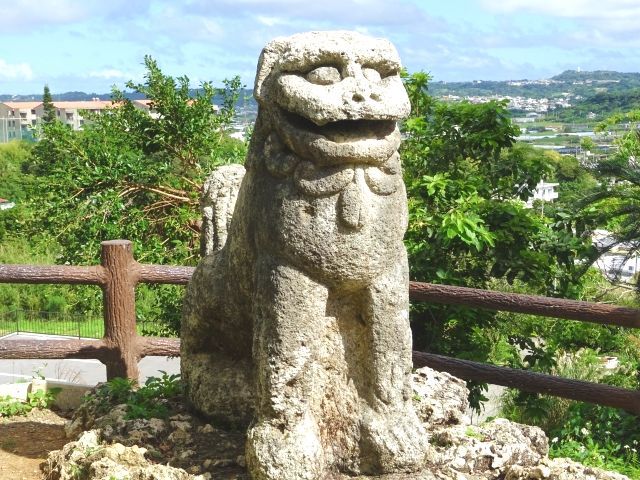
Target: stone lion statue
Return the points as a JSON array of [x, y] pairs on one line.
[[298, 327]]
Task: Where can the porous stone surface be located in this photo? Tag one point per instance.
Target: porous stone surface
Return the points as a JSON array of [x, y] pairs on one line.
[[189, 444], [191, 448], [217, 202], [440, 399], [298, 326], [90, 458]]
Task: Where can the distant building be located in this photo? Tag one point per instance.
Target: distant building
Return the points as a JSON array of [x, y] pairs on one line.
[[16, 118], [620, 262], [6, 204], [69, 113], [544, 191]]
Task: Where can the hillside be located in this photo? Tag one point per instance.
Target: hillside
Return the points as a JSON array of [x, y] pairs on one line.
[[572, 82], [602, 92], [82, 96], [601, 105]]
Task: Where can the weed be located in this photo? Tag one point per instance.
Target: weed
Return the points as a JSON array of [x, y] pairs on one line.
[[10, 406], [472, 432], [148, 401], [43, 399], [39, 372]]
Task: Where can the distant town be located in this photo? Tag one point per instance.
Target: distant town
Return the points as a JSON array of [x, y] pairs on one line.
[[572, 97], [559, 114]]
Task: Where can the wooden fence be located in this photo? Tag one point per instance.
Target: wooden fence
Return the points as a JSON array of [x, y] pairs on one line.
[[122, 348]]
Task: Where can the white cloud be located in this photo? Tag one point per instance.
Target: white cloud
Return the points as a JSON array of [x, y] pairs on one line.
[[18, 71], [21, 15], [333, 12], [110, 73], [269, 21], [604, 24], [567, 8]]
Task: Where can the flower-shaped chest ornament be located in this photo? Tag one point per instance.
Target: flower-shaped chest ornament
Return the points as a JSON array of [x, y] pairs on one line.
[[349, 181]]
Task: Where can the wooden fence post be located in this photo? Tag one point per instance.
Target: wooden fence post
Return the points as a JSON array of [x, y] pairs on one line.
[[119, 299]]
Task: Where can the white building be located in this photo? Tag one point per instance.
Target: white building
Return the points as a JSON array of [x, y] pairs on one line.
[[69, 113], [544, 191], [617, 263], [6, 204], [16, 118], [618, 266]]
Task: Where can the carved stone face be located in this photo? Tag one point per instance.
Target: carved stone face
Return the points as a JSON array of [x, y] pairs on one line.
[[334, 97], [328, 140]]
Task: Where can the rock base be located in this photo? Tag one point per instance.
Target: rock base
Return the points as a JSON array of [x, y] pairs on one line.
[[186, 447]]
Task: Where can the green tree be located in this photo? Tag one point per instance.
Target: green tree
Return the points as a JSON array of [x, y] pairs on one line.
[[135, 175], [129, 174], [49, 115], [467, 180], [616, 202]]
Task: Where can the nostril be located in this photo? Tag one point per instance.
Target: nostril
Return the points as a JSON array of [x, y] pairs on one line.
[[375, 96], [357, 97]]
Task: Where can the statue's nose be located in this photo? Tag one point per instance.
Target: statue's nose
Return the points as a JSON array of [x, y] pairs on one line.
[[361, 90]]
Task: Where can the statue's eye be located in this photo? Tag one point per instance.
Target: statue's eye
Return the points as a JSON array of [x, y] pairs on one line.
[[377, 72], [324, 75], [371, 74]]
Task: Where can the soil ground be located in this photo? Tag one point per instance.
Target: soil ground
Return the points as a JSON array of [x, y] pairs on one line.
[[25, 442]]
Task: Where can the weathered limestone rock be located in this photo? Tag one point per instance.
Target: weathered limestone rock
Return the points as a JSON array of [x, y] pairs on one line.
[[440, 399], [90, 458], [219, 195], [299, 323], [498, 450]]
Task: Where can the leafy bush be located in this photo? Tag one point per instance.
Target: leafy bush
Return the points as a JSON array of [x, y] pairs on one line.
[[591, 434], [10, 406], [148, 401], [599, 436]]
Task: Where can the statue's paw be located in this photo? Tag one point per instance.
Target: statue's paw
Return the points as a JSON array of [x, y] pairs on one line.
[[392, 442], [276, 451]]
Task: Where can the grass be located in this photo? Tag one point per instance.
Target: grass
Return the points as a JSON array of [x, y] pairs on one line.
[[85, 328]]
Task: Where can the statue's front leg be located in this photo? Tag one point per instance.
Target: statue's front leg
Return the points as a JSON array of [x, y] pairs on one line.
[[393, 439], [289, 310]]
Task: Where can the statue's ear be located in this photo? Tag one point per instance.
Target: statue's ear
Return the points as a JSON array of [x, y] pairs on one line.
[[268, 59]]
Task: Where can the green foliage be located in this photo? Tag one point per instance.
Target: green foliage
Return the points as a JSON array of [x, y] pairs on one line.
[[599, 436], [595, 435], [584, 84], [602, 104], [111, 393], [63, 299], [14, 157], [132, 175], [49, 115], [10, 406], [148, 401], [545, 411], [128, 174], [43, 399], [466, 181], [615, 203], [187, 128]]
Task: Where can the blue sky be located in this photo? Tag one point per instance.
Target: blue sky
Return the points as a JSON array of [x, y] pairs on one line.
[[89, 45]]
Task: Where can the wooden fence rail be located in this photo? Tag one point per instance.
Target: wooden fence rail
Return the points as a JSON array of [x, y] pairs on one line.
[[118, 274], [122, 348]]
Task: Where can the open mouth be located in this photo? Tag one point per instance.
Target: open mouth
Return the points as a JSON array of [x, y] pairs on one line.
[[343, 141], [344, 131]]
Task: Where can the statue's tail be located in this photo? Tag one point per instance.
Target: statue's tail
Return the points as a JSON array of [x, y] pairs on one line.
[[218, 201]]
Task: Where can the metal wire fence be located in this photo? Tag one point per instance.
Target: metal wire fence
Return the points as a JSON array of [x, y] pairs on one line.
[[65, 324]]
